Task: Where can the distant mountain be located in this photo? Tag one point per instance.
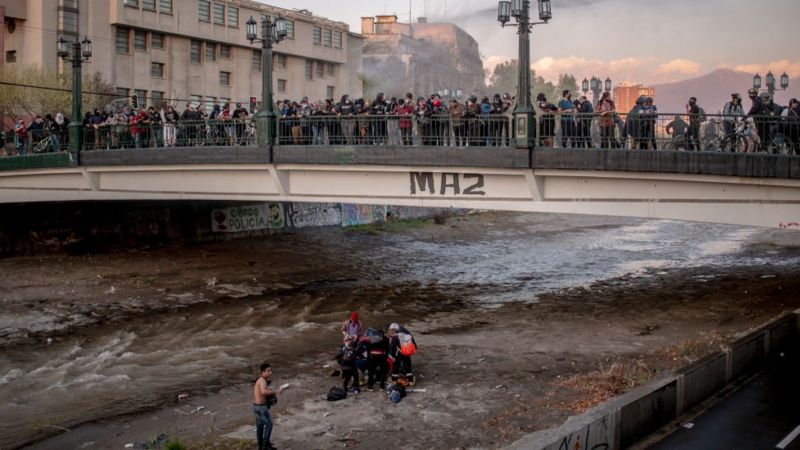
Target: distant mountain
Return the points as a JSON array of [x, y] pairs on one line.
[[713, 91]]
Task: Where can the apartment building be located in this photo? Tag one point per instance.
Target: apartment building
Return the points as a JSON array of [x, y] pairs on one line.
[[625, 95], [191, 50]]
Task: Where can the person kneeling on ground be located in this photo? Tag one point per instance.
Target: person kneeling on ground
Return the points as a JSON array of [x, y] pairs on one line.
[[347, 362], [402, 347], [263, 399]]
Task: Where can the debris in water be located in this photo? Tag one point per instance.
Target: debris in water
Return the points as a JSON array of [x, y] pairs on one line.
[[183, 396], [688, 425], [211, 282], [111, 290]]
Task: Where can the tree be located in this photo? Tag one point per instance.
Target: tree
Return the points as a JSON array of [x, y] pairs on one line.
[[567, 82], [23, 96], [504, 79]]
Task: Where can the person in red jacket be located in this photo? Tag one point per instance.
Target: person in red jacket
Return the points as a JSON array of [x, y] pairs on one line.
[[139, 123], [405, 110]]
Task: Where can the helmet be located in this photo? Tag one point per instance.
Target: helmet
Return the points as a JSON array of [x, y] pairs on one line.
[[541, 97], [752, 92], [765, 95], [649, 99], [736, 95]]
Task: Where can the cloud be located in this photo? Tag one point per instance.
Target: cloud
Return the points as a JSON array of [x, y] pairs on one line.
[[792, 68], [679, 66]]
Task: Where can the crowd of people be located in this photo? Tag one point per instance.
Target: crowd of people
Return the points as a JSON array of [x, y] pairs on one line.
[[431, 121], [365, 353]]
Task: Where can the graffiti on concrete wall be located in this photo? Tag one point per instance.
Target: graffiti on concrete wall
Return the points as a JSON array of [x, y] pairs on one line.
[[247, 218], [362, 214], [597, 436], [302, 215]]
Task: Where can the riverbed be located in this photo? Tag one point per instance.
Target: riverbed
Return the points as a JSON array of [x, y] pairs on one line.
[[505, 307]]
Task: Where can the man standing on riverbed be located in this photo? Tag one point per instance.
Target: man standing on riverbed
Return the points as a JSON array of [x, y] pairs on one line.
[[263, 399]]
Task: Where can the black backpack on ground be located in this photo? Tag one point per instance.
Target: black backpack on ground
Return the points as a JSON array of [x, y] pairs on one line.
[[336, 393]]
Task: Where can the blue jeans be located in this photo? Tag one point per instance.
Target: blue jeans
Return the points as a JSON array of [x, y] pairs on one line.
[[263, 425], [55, 143]]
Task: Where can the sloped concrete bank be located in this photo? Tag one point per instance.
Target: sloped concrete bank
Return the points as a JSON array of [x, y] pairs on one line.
[[625, 420]]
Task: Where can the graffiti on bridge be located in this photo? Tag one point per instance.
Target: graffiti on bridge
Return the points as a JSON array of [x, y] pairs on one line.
[[449, 182]]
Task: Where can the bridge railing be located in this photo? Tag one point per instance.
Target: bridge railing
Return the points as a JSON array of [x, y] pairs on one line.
[[200, 133], [702, 132], [402, 130]]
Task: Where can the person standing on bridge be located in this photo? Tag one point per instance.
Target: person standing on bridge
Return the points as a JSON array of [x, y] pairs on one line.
[[732, 111], [695, 119], [606, 108], [566, 109]]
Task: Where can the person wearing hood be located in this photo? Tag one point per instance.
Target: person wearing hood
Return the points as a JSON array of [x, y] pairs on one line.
[[791, 116], [345, 110], [59, 132], [352, 327], [585, 122], [650, 113], [633, 123], [459, 127], [424, 111]]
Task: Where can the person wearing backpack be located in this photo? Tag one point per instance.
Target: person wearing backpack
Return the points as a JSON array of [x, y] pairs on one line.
[[402, 347], [377, 345], [347, 363]]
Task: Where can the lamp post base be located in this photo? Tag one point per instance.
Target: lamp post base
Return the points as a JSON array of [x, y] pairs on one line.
[[75, 129], [524, 129], [265, 128]]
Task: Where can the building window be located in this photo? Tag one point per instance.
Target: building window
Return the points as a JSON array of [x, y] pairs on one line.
[[219, 14], [337, 39], [211, 52], [142, 96], [309, 70], [281, 61], [195, 52], [329, 93], [157, 70], [233, 16], [224, 51], [320, 70], [123, 40], [290, 29], [331, 70], [204, 9], [326, 37], [165, 6], [149, 4], [132, 3], [225, 78], [123, 92], [282, 86], [317, 36], [140, 40], [11, 56], [157, 97], [68, 20], [157, 40], [256, 60]]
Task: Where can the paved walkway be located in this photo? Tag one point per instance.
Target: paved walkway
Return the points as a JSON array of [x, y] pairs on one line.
[[763, 414]]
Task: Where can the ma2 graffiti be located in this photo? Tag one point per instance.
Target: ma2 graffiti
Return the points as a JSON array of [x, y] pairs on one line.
[[449, 182]]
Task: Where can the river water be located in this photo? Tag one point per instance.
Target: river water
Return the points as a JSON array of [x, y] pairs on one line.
[[142, 363]]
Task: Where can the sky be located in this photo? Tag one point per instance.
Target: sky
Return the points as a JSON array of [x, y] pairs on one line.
[[642, 41]]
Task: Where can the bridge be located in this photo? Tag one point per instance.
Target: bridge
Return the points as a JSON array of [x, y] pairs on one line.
[[743, 189]]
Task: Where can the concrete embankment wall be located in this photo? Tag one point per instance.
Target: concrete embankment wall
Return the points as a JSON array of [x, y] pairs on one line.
[[79, 227], [623, 421]]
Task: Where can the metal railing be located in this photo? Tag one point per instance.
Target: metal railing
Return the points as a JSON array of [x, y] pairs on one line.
[[703, 132], [201, 133], [402, 130]]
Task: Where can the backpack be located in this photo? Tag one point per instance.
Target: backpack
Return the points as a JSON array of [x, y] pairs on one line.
[[336, 394], [374, 336], [348, 354], [397, 393], [407, 345]]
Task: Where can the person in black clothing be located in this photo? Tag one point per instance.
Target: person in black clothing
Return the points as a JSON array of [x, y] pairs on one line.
[[584, 121], [240, 117], [547, 124], [377, 124], [693, 134], [347, 363], [377, 346], [758, 113], [792, 125]]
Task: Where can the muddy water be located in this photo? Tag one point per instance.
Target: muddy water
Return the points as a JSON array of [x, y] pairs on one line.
[[139, 364]]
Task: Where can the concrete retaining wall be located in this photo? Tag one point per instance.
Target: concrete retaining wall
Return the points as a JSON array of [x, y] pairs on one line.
[[621, 422]]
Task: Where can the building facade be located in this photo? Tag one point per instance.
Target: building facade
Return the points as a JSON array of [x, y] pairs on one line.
[[625, 95], [185, 50], [422, 58]]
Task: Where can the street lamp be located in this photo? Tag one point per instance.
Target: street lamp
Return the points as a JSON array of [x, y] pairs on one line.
[[585, 85], [272, 32], [595, 85], [524, 116], [770, 79], [784, 81], [81, 51], [757, 81], [608, 84]]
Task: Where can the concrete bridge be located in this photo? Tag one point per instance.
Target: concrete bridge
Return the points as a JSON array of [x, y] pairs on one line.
[[743, 189]]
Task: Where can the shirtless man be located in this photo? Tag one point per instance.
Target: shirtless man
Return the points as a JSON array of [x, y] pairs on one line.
[[263, 399]]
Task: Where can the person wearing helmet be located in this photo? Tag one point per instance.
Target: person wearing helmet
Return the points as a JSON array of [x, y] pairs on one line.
[[732, 111], [695, 120], [402, 347]]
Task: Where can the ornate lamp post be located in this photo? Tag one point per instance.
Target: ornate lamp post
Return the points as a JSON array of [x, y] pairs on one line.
[[524, 116], [271, 33], [81, 51], [608, 84], [771, 88]]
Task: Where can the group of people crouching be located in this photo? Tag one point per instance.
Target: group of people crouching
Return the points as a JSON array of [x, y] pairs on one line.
[[375, 355]]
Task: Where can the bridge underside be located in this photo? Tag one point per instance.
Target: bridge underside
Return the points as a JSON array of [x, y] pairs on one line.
[[765, 202]]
